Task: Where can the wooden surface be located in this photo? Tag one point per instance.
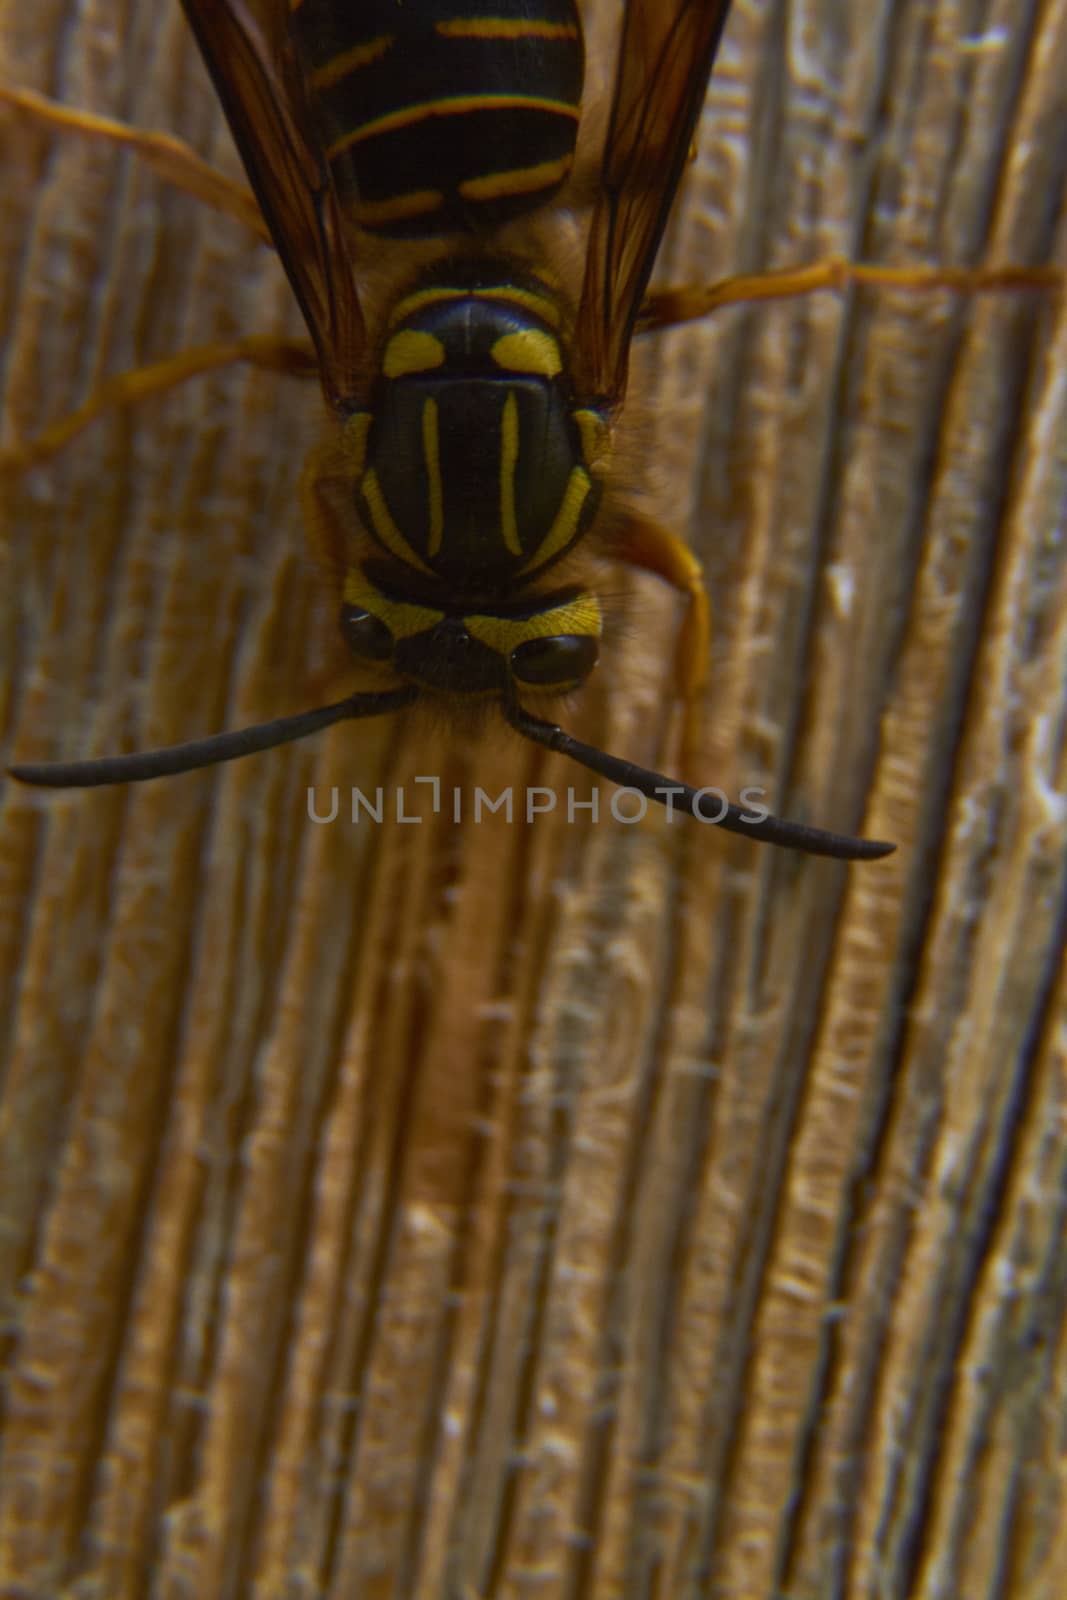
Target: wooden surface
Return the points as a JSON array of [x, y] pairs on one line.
[[573, 1210]]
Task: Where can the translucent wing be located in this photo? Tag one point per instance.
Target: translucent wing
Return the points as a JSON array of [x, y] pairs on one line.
[[665, 60], [247, 51]]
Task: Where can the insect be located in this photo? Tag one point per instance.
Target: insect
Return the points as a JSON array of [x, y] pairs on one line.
[[475, 403]]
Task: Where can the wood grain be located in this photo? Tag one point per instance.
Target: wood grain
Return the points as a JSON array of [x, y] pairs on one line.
[[571, 1209]]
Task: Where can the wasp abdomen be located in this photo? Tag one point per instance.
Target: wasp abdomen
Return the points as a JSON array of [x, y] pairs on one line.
[[443, 117]]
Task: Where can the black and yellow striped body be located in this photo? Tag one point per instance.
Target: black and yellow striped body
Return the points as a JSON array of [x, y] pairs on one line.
[[442, 116], [472, 463], [474, 475]]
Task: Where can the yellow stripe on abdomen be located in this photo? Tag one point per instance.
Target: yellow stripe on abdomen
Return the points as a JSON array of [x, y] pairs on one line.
[[504, 28], [349, 61], [517, 180], [448, 106]]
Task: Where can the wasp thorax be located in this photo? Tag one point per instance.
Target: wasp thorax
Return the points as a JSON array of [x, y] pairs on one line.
[[475, 470]]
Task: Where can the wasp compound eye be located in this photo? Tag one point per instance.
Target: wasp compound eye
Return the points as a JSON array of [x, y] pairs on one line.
[[365, 634], [554, 663]]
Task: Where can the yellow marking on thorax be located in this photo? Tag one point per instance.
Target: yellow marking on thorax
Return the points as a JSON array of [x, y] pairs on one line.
[[564, 529], [504, 28], [423, 297], [411, 350], [518, 180], [529, 350], [361, 55], [595, 435], [509, 455], [448, 106], [431, 451], [528, 299], [383, 526], [510, 293]]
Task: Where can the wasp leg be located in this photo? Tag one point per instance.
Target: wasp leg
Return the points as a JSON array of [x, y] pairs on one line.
[[666, 308], [326, 483], [289, 356], [330, 526], [171, 159], [651, 547]]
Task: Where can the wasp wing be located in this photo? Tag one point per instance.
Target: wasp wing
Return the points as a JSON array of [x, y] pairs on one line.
[[248, 53], [665, 60]]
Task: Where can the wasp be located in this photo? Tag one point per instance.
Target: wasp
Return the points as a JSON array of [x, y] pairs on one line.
[[476, 400]]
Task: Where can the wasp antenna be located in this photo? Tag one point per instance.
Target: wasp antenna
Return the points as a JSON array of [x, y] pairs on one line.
[[670, 792], [139, 768]]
